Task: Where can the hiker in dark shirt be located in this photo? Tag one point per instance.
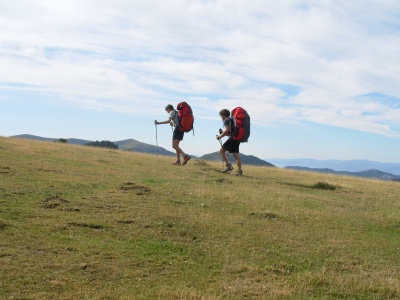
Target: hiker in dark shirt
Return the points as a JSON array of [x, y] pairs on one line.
[[230, 144]]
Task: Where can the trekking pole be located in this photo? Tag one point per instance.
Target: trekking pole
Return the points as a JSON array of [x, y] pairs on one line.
[[221, 147], [227, 157], [156, 140]]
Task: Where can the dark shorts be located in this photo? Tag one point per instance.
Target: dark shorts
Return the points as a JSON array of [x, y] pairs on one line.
[[177, 135], [231, 146]]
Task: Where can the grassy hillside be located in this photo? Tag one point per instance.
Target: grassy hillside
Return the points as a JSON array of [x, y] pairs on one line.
[[134, 145], [87, 223], [246, 159]]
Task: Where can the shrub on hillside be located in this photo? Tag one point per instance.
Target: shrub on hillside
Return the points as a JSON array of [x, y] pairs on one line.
[[103, 144]]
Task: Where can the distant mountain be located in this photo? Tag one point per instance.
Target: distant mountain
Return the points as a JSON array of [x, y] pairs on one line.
[[374, 174], [134, 145], [338, 165], [130, 144], [246, 159], [33, 137], [44, 139], [77, 141]]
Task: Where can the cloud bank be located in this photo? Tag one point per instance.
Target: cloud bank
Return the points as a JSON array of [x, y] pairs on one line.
[[329, 62]]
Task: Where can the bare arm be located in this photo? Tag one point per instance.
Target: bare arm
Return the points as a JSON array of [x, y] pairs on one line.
[[224, 133], [163, 122]]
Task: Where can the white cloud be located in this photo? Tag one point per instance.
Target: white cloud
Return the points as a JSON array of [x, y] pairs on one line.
[[124, 55]]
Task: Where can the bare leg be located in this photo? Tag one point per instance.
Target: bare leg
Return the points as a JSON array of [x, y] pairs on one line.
[[178, 150], [238, 160], [223, 155]]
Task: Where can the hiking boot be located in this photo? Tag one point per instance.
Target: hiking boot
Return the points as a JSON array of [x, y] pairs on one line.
[[228, 168], [237, 173], [186, 158], [177, 163]]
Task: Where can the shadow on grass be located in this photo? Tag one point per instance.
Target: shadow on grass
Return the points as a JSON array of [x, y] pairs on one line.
[[137, 189], [319, 185]]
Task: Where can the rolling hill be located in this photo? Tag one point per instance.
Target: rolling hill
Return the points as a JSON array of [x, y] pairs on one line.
[[338, 165], [136, 146], [45, 139], [92, 223], [374, 174], [246, 159], [129, 144]]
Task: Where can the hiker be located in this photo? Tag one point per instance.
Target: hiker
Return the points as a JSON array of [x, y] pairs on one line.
[[177, 135], [230, 144]]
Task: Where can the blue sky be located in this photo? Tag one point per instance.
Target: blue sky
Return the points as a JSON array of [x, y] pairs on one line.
[[319, 78]]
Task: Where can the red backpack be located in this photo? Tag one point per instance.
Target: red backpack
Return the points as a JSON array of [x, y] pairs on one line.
[[241, 121], [185, 115]]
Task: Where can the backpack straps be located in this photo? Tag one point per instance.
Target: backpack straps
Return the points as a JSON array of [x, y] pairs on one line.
[[231, 126], [176, 119]]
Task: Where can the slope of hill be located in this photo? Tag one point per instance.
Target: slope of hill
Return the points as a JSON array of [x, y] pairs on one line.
[[33, 137], [339, 165], [134, 145], [129, 144], [93, 223], [375, 174], [78, 141], [45, 139], [246, 159]]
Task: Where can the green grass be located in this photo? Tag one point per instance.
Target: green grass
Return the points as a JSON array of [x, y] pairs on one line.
[[87, 223]]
